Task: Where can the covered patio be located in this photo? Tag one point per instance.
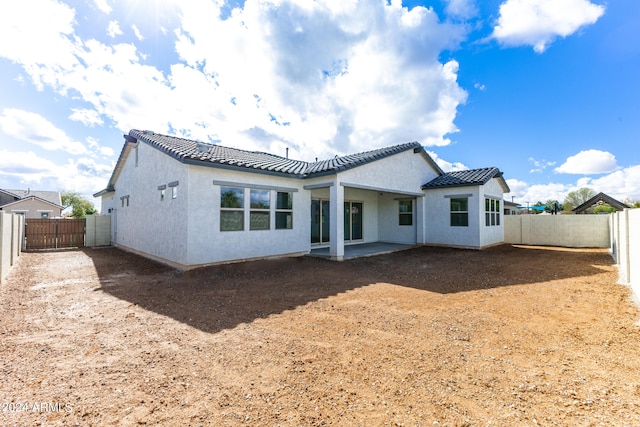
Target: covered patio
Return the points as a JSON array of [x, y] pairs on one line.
[[363, 250]]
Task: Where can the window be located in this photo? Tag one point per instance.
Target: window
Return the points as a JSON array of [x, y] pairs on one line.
[[259, 213], [284, 210], [162, 193], [174, 188], [124, 201], [405, 212], [231, 209], [491, 212], [460, 212], [44, 215]]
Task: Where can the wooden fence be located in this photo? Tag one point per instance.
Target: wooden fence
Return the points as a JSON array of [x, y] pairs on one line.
[[54, 233]]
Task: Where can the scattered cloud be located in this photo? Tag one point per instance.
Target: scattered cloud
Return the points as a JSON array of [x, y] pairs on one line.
[[539, 165], [462, 9], [113, 29], [480, 86], [589, 162], [94, 144], [103, 5], [538, 23], [137, 33], [445, 165], [86, 117], [35, 129]]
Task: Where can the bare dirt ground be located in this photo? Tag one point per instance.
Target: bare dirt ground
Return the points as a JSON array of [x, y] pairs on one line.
[[505, 336]]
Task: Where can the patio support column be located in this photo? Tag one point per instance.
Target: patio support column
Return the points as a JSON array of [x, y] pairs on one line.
[[421, 220], [336, 225]]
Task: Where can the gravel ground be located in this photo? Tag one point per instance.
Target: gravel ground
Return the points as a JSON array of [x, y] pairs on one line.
[[430, 336]]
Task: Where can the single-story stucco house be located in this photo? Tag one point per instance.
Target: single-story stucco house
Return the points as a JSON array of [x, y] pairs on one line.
[[32, 203], [188, 203]]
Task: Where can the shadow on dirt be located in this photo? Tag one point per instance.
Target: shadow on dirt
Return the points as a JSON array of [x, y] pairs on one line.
[[221, 297]]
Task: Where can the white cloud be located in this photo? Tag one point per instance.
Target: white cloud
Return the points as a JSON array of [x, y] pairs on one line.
[[94, 144], [82, 175], [103, 5], [445, 165], [539, 165], [137, 32], [589, 162], [539, 22], [321, 78], [522, 192], [39, 41], [113, 29], [86, 117], [463, 9], [621, 185], [35, 129]]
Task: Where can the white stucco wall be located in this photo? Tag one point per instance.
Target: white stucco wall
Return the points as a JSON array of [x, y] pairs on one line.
[[491, 235], [438, 229], [148, 225], [207, 244]]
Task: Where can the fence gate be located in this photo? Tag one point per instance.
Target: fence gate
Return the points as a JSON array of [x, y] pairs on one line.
[[54, 233]]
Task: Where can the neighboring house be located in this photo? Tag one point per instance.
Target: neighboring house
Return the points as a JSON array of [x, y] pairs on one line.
[[188, 203], [596, 200], [510, 208], [31, 203]]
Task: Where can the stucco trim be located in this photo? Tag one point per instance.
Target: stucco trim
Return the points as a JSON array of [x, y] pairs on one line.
[[317, 186], [452, 196], [386, 190], [256, 186]]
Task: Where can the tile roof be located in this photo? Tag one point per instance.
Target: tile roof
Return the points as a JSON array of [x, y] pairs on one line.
[[49, 196], [463, 178], [195, 152]]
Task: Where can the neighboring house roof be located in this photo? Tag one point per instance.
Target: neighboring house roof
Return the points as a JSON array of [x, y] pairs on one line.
[[600, 197], [213, 155], [52, 197], [467, 178]]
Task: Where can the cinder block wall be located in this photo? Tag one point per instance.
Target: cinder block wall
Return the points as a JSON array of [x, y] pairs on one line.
[[11, 231], [573, 231]]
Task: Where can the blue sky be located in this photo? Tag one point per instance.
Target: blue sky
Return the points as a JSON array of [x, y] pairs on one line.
[[546, 90]]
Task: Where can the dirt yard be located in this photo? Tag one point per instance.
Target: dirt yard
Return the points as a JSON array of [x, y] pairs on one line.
[[502, 337]]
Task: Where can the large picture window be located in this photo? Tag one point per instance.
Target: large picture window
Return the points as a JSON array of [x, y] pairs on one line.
[[259, 213], [491, 212], [405, 212], [231, 209], [460, 212], [284, 210]]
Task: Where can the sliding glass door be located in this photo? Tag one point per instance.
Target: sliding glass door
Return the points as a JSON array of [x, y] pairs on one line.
[[352, 221], [319, 221]]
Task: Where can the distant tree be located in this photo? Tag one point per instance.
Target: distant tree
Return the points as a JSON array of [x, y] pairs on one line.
[[553, 206], [604, 207], [80, 205], [578, 197], [634, 204]]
